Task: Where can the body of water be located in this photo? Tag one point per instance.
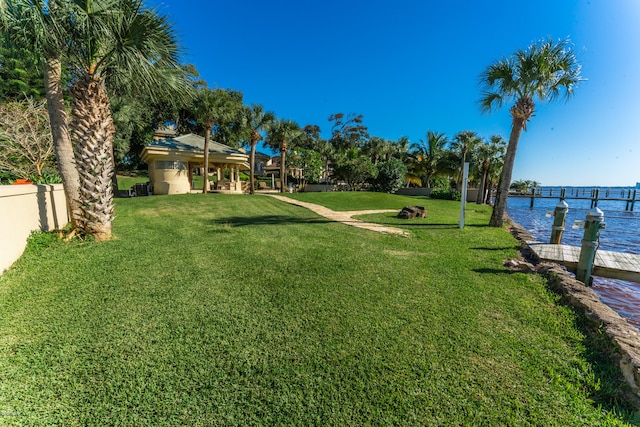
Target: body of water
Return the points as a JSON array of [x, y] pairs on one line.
[[622, 234]]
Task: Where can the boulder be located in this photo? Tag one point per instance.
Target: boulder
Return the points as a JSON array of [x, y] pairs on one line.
[[410, 212]]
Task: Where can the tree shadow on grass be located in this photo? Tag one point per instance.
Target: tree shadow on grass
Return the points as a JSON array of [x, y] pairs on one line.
[[426, 225], [506, 271], [243, 221], [503, 248]]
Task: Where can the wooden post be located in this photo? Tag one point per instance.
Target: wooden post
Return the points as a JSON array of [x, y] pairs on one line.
[[559, 216], [592, 226], [533, 197], [595, 194]]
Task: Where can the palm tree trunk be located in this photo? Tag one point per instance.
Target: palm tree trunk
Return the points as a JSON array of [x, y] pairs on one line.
[[500, 206], [283, 169], [61, 139], [205, 167], [483, 183], [252, 167], [92, 131]]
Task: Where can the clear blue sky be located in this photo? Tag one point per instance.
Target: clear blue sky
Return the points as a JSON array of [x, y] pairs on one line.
[[412, 65]]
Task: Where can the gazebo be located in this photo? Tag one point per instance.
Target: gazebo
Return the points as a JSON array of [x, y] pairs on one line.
[[172, 162]]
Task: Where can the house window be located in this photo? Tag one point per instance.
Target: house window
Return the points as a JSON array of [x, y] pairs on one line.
[[171, 164]]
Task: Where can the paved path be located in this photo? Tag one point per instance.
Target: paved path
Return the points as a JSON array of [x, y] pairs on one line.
[[345, 217]]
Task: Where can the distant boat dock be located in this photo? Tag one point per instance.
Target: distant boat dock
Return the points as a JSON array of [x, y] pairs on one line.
[[595, 195]]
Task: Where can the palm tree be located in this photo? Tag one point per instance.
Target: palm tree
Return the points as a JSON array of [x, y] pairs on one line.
[[258, 121], [544, 71], [112, 42], [37, 27], [210, 108], [462, 143], [487, 154], [280, 134], [428, 154]]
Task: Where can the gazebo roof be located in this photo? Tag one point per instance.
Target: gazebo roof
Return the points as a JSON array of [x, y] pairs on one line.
[[192, 142], [190, 148]]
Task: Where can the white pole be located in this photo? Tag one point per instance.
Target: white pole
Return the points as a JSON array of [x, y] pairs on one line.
[[463, 202]]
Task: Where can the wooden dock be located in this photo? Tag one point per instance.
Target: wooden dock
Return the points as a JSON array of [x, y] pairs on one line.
[[613, 265]]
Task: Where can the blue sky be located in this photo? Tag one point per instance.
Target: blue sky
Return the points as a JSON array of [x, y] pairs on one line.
[[411, 66]]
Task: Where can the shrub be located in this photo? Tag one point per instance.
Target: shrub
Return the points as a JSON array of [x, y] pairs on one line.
[[390, 176], [445, 194]]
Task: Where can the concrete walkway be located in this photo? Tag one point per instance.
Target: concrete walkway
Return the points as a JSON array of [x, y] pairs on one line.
[[345, 217]]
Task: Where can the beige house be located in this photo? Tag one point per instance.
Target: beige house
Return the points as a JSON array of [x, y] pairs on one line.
[[172, 162]]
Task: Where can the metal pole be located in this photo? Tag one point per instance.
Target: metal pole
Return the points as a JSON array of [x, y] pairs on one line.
[[559, 215], [592, 226], [465, 175]]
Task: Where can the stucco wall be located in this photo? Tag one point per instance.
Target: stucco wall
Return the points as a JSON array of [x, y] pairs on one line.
[[24, 208], [170, 181]]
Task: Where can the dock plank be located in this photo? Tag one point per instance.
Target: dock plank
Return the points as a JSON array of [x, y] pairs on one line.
[[609, 264]]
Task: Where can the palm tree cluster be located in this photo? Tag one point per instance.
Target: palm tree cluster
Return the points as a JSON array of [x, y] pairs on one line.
[[437, 156], [115, 44]]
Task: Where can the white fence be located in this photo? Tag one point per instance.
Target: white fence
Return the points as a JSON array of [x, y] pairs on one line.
[[24, 208]]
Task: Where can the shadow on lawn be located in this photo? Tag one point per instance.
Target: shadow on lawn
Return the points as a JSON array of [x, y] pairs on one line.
[[242, 221], [503, 248], [499, 271], [427, 225]]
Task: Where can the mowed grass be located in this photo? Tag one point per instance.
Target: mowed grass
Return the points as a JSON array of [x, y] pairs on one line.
[[244, 310]]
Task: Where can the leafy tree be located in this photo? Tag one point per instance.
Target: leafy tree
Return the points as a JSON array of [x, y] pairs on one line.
[[283, 135], [348, 131], [257, 121], [354, 169], [428, 155], [391, 175], [229, 129], [524, 185], [544, 71], [309, 163], [20, 75], [313, 141]]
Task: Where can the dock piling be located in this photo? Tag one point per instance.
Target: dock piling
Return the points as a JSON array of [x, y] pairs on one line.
[[559, 216], [592, 226]]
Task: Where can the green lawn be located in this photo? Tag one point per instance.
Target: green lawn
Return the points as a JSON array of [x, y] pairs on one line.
[[244, 310]]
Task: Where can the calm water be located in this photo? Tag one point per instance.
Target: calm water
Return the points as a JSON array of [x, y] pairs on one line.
[[622, 234]]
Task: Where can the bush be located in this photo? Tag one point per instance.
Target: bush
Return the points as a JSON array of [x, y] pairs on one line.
[[390, 176], [446, 194]]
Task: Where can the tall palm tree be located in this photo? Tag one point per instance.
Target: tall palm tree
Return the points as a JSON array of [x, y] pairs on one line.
[[544, 72], [111, 42], [37, 26], [282, 134], [462, 143], [428, 154], [211, 106], [257, 121]]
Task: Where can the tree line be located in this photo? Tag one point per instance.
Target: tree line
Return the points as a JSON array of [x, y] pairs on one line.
[[108, 74]]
